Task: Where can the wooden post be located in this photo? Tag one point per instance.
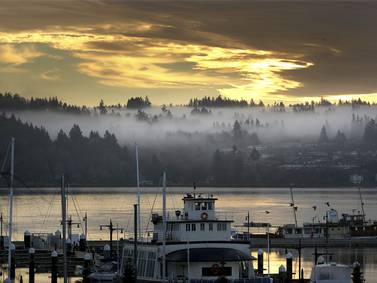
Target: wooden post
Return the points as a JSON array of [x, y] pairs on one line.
[[260, 261], [54, 267], [289, 261], [31, 265]]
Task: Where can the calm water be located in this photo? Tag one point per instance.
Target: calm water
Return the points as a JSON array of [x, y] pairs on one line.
[[40, 212]]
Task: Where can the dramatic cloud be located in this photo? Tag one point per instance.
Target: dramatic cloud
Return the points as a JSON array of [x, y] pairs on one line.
[[288, 51], [12, 55]]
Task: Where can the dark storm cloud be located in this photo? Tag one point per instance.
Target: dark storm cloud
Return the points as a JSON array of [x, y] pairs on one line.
[[338, 38]]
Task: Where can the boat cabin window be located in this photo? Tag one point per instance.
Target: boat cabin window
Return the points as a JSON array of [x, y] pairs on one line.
[[188, 227], [193, 227], [202, 226], [203, 206], [197, 206], [221, 226], [210, 226]]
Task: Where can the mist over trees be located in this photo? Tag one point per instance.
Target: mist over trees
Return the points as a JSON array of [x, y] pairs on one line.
[[259, 145]]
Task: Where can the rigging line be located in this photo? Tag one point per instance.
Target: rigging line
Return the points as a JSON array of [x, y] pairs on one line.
[[5, 158], [49, 209], [154, 202], [78, 214], [77, 204]]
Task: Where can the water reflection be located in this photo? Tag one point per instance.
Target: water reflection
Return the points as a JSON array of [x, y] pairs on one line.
[[40, 212], [367, 257]]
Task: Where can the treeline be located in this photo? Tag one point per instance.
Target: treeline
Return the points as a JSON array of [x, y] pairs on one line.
[[10, 101], [216, 102], [219, 101], [15, 102]]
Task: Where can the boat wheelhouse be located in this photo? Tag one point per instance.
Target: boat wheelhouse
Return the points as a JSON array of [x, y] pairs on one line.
[[197, 246]]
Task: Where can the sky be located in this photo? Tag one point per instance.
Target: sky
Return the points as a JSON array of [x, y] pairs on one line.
[[84, 51]]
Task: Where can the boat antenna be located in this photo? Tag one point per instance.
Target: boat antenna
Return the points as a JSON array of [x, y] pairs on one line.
[[292, 204], [164, 227]]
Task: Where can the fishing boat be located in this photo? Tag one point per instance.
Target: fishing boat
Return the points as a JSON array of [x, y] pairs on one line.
[[191, 245]]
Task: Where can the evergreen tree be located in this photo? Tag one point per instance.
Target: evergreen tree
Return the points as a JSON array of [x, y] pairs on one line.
[[237, 130], [323, 136], [370, 132], [102, 108], [340, 138]]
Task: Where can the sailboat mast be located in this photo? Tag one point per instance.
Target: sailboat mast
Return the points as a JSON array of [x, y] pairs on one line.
[[164, 227], [293, 206], [138, 188], [362, 204], [10, 220], [64, 224]]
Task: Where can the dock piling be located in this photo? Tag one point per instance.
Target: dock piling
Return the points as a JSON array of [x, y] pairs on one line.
[[282, 274], [260, 261], [289, 261], [31, 265], [12, 270], [54, 267]]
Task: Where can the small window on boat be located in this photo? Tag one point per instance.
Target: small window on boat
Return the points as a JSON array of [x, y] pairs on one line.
[[210, 226], [193, 227], [210, 206], [197, 206], [221, 226], [202, 226], [187, 227], [204, 206]]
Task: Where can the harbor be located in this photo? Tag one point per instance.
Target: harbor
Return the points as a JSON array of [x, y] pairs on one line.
[[118, 205]]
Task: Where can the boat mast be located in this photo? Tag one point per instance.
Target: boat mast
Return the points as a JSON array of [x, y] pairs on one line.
[[362, 203], [164, 227], [138, 188], [64, 223], [10, 220], [293, 206], [188, 261]]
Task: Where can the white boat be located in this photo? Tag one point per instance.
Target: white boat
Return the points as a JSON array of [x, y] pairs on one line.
[[197, 247], [330, 273]]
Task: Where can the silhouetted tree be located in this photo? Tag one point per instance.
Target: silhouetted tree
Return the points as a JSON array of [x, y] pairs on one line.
[[370, 132], [323, 136], [237, 130], [340, 138], [138, 102]]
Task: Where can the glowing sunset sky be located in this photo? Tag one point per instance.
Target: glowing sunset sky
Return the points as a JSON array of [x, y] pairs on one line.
[[82, 51]]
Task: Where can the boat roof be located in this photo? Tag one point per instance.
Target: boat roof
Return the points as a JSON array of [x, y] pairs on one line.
[[208, 255], [331, 273], [193, 196]]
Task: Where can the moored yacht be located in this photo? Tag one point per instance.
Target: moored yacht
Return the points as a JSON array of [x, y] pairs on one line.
[[192, 245]]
